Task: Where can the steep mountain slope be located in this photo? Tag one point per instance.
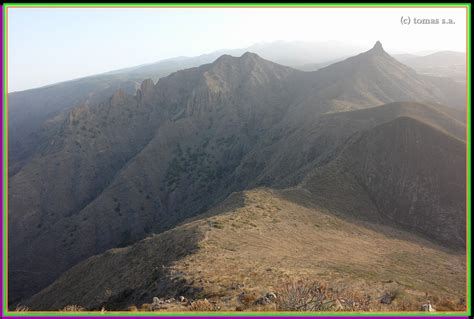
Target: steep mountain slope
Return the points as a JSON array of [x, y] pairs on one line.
[[77, 159], [298, 149], [273, 237], [29, 110], [410, 173], [107, 175]]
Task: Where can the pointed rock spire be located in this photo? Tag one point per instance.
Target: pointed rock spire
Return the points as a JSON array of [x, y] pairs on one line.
[[146, 89], [378, 47], [147, 86], [118, 97], [249, 55]]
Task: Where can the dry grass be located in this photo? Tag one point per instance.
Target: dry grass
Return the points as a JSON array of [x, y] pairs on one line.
[[447, 304], [203, 305], [310, 242]]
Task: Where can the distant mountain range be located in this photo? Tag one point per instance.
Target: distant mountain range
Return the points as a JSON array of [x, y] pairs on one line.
[[442, 64], [101, 163]]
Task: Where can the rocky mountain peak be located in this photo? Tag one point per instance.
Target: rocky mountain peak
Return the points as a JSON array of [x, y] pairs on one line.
[[250, 56], [377, 48], [223, 59], [247, 57]]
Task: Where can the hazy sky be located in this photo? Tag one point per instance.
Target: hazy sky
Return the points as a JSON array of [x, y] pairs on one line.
[[52, 45]]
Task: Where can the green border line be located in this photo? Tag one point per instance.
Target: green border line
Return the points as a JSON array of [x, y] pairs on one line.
[[5, 311]]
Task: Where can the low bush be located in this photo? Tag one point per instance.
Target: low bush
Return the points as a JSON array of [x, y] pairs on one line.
[[21, 308], [73, 308]]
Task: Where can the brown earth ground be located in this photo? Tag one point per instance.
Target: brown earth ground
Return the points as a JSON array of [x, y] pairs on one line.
[[279, 237]]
